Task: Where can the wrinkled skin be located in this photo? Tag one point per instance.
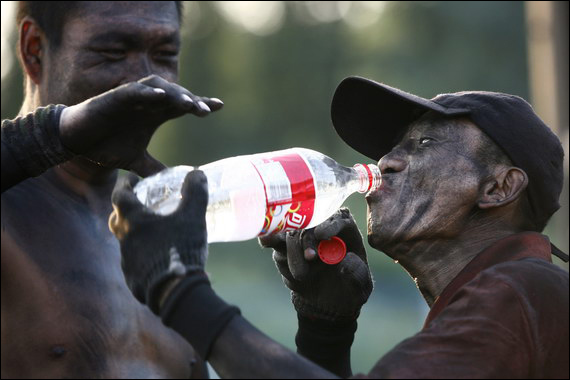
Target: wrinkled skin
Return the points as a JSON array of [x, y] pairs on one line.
[[428, 213], [429, 186], [66, 310]]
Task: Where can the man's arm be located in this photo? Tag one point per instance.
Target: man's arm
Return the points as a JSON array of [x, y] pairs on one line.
[[112, 129], [327, 344], [12, 173], [327, 298], [155, 255], [31, 145], [234, 347], [259, 356]]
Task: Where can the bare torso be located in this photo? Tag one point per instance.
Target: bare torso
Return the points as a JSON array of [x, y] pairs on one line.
[[66, 309]]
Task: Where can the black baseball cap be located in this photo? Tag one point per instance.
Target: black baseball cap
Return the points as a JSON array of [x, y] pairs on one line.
[[371, 116]]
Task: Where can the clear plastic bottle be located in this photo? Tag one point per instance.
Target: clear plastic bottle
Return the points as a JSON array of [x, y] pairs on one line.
[[264, 193]]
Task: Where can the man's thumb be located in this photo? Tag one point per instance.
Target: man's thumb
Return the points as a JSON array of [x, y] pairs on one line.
[[146, 166]]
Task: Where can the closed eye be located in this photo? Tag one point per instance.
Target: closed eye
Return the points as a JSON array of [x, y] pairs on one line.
[[113, 54], [166, 55]]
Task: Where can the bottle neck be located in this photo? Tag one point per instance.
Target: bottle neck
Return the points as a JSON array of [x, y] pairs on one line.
[[369, 177]]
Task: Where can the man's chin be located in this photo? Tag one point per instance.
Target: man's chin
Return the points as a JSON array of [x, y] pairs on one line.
[[377, 239], [374, 241], [381, 237]]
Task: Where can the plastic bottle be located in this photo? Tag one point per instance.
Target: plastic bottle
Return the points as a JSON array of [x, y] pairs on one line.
[[260, 194]]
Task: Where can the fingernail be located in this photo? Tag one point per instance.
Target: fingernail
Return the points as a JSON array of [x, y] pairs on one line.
[[216, 100], [187, 99], [310, 254], [159, 91], [204, 106]]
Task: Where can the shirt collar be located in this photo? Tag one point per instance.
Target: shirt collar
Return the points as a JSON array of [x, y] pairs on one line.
[[511, 248]]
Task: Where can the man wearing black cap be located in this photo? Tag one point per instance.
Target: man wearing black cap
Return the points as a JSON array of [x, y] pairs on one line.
[[469, 181]]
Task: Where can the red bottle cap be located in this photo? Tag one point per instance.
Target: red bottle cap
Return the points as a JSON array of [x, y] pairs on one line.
[[332, 251]]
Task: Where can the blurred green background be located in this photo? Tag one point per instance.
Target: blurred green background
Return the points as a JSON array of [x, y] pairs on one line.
[[276, 66]]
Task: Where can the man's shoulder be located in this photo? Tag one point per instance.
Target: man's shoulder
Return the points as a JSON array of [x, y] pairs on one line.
[[36, 194], [531, 269], [531, 278], [30, 187], [36, 207], [515, 295]]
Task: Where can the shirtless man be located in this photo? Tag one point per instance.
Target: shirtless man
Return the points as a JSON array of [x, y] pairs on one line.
[[66, 310]]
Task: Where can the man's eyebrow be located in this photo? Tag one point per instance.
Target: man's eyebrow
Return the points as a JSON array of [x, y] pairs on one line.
[[132, 39]]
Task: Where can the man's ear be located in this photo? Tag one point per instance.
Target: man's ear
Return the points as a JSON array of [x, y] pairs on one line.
[[503, 188], [31, 48]]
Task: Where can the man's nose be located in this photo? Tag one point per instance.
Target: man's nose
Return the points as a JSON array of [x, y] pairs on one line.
[[392, 163], [140, 66]]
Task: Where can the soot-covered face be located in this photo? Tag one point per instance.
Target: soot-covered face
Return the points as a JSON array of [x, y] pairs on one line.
[[430, 184]]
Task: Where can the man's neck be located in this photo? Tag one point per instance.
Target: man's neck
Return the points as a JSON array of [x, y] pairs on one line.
[[80, 175], [434, 263], [83, 175], [31, 101]]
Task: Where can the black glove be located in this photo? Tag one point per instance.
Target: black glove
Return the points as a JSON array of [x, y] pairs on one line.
[[334, 293], [114, 128], [158, 249], [328, 298]]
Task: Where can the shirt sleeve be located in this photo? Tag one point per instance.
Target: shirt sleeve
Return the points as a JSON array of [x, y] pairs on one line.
[[482, 333]]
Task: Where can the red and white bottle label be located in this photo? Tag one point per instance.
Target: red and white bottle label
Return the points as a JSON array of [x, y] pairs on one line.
[[290, 192]]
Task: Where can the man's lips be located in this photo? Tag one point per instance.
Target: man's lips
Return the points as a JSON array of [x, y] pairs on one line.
[[376, 193], [372, 196], [385, 187]]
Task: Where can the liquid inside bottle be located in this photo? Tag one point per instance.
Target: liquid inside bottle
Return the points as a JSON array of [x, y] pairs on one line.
[[265, 193]]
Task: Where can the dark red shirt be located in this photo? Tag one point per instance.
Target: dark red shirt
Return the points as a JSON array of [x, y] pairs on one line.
[[504, 316]]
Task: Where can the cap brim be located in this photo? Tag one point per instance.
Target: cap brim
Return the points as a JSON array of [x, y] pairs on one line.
[[370, 116]]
